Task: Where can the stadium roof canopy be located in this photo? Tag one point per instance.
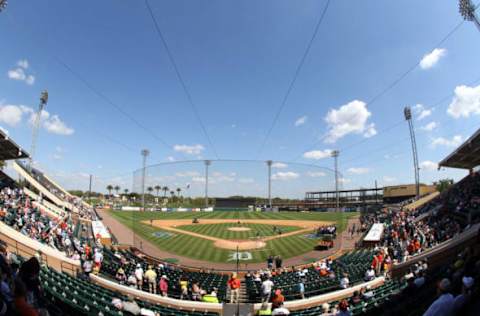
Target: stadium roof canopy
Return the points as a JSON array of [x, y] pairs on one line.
[[9, 149], [467, 156]]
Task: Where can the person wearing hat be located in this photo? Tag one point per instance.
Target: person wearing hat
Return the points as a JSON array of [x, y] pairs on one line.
[[234, 285], [163, 285], [325, 309], [139, 276], [443, 305], [151, 277]]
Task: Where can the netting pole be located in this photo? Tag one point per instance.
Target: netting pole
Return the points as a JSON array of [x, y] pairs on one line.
[[335, 154]]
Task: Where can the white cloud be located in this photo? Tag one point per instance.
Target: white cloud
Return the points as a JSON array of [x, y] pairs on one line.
[[316, 174], [19, 73], [284, 176], [441, 141], [358, 170], [279, 165], [422, 112], [349, 118], [56, 126], [430, 126], [465, 102], [431, 59], [389, 179], [189, 149], [301, 120], [23, 63], [428, 165], [317, 154], [170, 158], [11, 114]]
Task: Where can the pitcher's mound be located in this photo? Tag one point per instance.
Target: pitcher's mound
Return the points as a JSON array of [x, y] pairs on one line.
[[242, 244], [238, 229]]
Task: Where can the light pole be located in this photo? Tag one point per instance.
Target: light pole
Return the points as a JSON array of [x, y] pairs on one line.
[[207, 164], [467, 10], [408, 117], [335, 155], [36, 125], [145, 153], [269, 165], [3, 5]]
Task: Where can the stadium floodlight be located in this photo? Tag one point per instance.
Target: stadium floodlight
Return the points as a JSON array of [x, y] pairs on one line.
[[407, 112], [207, 164], [36, 125], [145, 153], [269, 165], [335, 155], [3, 5], [467, 10]]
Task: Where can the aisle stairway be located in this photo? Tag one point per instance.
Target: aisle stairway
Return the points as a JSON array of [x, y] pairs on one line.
[[243, 297]]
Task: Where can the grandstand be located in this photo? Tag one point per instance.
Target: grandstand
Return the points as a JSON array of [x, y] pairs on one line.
[[419, 241]]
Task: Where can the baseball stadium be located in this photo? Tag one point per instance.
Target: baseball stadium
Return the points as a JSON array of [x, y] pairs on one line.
[[97, 220]]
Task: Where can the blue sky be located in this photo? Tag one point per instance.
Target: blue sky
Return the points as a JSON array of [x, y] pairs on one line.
[[237, 60]]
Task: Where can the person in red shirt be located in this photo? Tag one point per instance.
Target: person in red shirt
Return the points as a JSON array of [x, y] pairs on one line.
[[277, 299], [234, 285]]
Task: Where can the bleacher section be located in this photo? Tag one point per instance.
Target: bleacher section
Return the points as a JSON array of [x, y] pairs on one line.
[[85, 298]]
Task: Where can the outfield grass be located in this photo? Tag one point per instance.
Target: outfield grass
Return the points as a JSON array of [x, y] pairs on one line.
[[221, 230], [202, 249]]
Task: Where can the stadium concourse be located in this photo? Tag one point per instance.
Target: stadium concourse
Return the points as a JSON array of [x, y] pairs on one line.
[[58, 257]]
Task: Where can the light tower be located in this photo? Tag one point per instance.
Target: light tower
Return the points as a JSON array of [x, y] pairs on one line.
[[145, 153], [36, 125], [408, 117], [207, 164], [269, 165], [467, 10], [335, 155], [3, 5]]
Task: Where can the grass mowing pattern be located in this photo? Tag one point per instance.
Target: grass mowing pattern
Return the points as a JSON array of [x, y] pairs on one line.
[[221, 230], [202, 249]]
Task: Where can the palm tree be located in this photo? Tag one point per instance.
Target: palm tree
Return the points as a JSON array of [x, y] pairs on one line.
[[116, 188], [125, 191], [165, 190], [157, 188], [178, 191], [109, 189], [172, 193], [150, 190]]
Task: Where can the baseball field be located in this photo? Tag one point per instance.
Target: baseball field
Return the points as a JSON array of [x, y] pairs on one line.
[[217, 235]]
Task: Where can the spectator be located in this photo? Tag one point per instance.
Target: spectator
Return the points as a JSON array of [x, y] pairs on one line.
[[151, 277], [325, 309], [264, 309], [344, 281], [280, 311], [369, 275], [120, 276], [301, 288], [197, 292], [234, 285], [139, 276], [464, 298], [183, 288], [266, 288], [270, 262], [132, 280], [444, 304], [164, 285], [277, 299], [278, 262], [343, 309]]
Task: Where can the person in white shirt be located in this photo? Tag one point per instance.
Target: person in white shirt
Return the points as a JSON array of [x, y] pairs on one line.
[[443, 305], [344, 281], [267, 286], [280, 311], [139, 276], [369, 274]]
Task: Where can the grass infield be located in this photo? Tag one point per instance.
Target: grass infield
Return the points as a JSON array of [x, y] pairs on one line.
[[202, 249]]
